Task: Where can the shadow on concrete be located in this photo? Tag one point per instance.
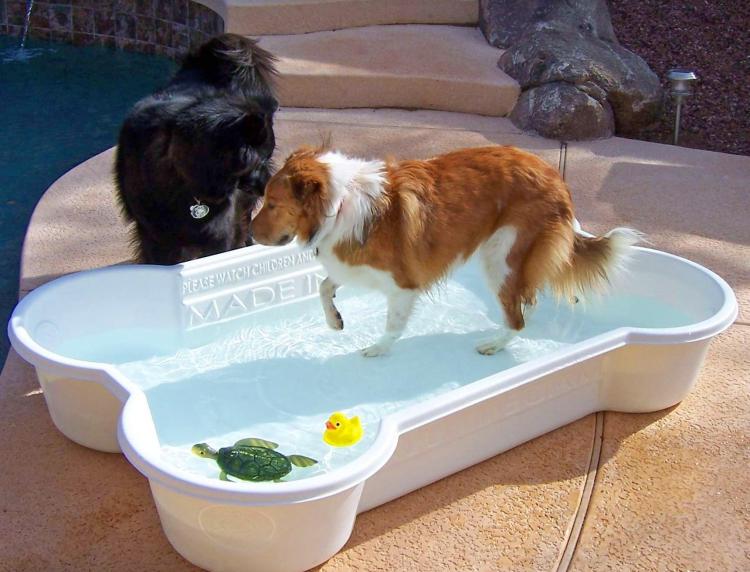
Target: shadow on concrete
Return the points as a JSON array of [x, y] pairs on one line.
[[540, 461]]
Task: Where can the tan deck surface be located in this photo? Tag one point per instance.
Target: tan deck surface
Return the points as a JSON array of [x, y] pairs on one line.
[[670, 489]]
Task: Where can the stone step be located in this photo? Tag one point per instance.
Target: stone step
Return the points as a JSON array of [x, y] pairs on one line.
[[449, 68], [268, 17]]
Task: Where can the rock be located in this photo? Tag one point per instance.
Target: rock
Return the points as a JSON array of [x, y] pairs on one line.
[[562, 111], [572, 43], [505, 22], [603, 70]]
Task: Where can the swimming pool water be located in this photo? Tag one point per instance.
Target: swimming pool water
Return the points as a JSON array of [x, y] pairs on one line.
[[59, 108]]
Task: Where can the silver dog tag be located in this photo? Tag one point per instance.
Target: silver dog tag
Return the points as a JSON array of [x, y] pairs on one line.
[[198, 211]]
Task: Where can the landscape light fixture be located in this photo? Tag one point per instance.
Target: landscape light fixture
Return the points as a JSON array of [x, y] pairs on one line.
[[681, 80]]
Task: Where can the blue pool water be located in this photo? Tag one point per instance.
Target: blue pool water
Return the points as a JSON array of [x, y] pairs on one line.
[[59, 108]]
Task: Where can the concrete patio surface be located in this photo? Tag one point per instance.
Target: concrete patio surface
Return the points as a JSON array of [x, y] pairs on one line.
[[661, 491]]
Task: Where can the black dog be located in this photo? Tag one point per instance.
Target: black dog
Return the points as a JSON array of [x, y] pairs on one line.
[[193, 159]]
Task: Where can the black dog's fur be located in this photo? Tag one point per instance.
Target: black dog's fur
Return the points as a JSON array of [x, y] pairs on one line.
[[208, 137]]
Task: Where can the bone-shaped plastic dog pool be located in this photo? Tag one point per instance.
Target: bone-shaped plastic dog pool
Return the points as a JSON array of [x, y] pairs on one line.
[[151, 360]]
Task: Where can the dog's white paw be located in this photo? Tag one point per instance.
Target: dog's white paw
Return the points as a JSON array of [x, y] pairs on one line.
[[494, 345], [375, 350], [490, 348], [335, 321]]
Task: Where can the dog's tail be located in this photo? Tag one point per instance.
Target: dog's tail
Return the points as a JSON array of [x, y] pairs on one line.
[[592, 262]]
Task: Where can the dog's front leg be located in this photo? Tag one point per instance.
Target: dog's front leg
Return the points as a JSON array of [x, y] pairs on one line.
[[327, 294], [400, 306]]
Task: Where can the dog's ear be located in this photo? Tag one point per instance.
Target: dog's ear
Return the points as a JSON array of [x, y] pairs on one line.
[[251, 129], [304, 187], [254, 129], [227, 124]]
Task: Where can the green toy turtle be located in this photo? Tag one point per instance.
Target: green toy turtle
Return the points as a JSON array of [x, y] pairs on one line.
[[252, 460]]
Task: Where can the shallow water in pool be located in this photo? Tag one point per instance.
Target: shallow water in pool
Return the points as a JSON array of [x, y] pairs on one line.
[[280, 379]]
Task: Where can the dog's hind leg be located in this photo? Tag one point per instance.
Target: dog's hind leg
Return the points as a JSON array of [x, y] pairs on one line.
[[327, 294], [504, 279], [400, 306]]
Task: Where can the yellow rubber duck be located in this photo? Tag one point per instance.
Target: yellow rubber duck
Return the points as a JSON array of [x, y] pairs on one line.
[[342, 431]]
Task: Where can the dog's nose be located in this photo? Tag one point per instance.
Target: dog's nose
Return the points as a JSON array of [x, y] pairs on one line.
[[286, 239]]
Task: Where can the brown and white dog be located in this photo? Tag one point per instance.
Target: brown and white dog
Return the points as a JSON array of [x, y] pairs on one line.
[[400, 227]]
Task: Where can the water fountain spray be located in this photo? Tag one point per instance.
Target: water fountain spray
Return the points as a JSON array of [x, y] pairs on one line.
[[27, 21]]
